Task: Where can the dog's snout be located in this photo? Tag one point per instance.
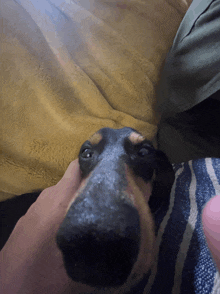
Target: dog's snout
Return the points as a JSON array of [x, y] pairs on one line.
[[100, 243]]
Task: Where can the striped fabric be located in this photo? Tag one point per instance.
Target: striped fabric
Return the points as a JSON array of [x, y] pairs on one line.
[[183, 263]]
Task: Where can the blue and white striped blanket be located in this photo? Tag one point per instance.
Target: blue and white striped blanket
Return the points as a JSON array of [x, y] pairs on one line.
[[184, 264]]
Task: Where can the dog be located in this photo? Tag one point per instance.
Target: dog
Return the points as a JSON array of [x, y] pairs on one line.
[[107, 235]]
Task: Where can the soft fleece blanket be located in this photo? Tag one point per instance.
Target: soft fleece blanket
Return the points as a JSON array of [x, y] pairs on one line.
[[69, 68]]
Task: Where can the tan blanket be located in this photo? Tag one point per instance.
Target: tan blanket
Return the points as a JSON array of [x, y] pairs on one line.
[[69, 68]]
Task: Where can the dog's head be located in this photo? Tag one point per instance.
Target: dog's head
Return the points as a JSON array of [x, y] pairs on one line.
[[107, 236]]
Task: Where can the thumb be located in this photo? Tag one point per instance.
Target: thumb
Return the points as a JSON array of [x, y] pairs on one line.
[[211, 227]]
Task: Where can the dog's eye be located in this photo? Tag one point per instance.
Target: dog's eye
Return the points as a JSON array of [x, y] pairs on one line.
[[86, 153], [143, 152]]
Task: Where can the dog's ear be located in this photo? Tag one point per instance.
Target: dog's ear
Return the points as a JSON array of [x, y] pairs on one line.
[[164, 177]]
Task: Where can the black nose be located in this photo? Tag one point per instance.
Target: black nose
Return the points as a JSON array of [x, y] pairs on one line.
[[100, 244]]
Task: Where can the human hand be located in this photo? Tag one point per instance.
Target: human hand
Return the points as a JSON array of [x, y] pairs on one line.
[[30, 261], [211, 227]]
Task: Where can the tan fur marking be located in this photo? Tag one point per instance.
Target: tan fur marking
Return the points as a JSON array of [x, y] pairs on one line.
[[139, 192], [136, 138], [95, 139]]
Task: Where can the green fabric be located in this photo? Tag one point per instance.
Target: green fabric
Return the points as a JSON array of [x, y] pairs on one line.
[[192, 68]]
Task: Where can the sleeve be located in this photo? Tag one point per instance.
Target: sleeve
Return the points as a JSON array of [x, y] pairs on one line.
[[191, 72]]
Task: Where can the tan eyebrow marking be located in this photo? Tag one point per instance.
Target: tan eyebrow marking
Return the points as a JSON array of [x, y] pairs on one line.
[[95, 139], [136, 138]]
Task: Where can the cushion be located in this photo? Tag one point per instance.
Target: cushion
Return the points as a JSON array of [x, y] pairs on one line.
[[70, 68]]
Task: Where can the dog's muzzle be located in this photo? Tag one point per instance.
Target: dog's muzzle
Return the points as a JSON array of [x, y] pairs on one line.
[[100, 240]]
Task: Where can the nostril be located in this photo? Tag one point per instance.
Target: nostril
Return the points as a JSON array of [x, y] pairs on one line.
[[100, 251]]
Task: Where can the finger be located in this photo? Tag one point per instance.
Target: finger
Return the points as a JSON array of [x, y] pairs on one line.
[[73, 171], [211, 227], [64, 190], [71, 177]]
